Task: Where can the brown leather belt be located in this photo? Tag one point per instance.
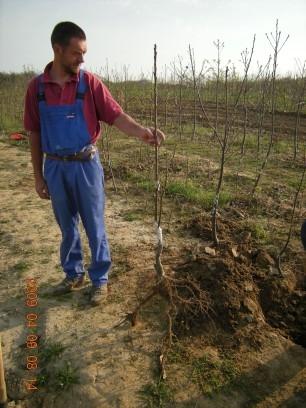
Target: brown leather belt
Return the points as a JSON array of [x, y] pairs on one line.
[[78, 156]]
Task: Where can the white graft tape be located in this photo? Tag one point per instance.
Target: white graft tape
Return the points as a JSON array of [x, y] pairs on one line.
[[159, 234]]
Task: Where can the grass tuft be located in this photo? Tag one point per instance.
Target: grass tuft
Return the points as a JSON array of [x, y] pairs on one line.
[[156, 395], [50, 351], [197, 195], [212, 375], [66, 376], [259, 230]]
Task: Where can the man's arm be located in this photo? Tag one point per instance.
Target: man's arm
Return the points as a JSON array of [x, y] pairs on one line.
[[32, 124], [130, 127], [110, 112], [37, 162]]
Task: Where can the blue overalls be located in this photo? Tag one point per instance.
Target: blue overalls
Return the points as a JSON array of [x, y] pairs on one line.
[[76, 187]]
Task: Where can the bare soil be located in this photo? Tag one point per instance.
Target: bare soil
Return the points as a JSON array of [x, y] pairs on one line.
[[285, 122], [256, 317]]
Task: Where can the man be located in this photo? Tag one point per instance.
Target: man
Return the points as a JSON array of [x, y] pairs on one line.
[[63, 110]]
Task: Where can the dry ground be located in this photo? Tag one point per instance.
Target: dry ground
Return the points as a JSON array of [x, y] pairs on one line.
[[114, 364]]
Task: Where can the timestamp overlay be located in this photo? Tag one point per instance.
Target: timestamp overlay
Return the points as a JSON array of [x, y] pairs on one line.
[[32, 337]]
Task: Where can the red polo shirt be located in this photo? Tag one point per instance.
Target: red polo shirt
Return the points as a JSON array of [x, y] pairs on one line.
[[99, 105]]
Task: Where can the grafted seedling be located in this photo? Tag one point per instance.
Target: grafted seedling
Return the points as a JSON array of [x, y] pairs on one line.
[[180, 293]]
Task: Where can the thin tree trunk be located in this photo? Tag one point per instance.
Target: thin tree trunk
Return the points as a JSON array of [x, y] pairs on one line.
[[224, 147], [276, 48], [159, 248], [291, 222], [298, 112], [192, 61]]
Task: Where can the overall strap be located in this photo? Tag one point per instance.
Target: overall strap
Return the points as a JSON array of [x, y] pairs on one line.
[[82, 86], [41, 89]]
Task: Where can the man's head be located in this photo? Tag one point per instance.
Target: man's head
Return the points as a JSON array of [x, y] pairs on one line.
[[69, 45]]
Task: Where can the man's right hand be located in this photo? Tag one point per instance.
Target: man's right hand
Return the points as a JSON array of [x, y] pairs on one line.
[[42, 189]]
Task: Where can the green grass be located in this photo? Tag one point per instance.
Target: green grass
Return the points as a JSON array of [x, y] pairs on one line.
[[259, 229], [131, 216], [57, 379], [50, 351], [212, 375], [20, 267], [43, 379], [146, 185], [187, 191], [10, 123], [177, 353], [66, 376], [156, 394], [56, 372], [196, 195]]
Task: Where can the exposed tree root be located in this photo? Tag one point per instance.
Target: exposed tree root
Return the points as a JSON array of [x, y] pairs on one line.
[[183, 295]]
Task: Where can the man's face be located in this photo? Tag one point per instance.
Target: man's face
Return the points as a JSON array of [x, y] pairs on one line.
[[71, 56]]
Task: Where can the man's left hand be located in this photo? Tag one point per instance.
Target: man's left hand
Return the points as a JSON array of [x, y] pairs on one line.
[[151, 138]]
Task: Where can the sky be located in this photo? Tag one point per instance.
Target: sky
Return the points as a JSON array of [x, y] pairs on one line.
[[123, 32]]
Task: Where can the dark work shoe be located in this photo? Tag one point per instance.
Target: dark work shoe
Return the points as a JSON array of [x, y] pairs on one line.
[[69, 285], [98, 294]]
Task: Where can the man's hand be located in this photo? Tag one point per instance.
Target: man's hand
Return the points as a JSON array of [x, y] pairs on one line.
[[151, 138], [42, 189], [129, 126]]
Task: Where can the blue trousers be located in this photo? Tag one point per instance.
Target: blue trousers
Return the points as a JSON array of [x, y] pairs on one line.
[[77, 191]]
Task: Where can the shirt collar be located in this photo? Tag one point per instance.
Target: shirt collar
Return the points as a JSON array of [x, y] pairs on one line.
[[46, 75]]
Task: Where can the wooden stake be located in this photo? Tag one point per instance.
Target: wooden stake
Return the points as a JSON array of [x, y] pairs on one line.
[[3, 396]]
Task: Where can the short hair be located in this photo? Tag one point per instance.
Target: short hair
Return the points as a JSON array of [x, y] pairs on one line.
[[64, 31]]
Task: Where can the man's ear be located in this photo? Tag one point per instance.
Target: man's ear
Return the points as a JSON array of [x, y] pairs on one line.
[[58, 49]]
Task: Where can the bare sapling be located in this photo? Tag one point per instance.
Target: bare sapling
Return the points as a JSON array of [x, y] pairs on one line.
[[245, 74], [246, 60], [173, 97], [282, 251], [180, 293], [158, 265], [264, 78], [224, 141], [166, 99], [224, 146], [219, 45], [106, 154], [126, 78], [195, 88], [107, 75], [277, 45], [191, 52], [300, 103], [241, 87], [152, 101], [181, 74]]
